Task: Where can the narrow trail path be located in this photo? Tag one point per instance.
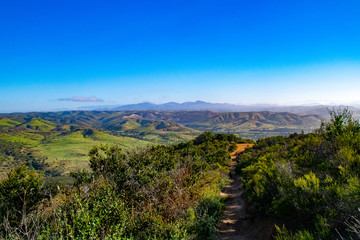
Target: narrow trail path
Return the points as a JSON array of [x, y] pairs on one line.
[[236, 222]]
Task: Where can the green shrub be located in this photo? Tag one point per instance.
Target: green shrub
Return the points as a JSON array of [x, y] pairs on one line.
[[20, 195], [315, 177], [163, 192]]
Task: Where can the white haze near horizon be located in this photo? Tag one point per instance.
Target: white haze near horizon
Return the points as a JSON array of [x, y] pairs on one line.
[[312, 85], [328, 84]]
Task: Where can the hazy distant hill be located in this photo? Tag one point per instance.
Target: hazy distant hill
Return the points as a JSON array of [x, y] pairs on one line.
[[186, 106], [171, 106], [224, 107], [234, 121]]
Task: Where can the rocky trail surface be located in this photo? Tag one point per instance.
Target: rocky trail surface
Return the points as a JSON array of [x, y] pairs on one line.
[[236, 222]]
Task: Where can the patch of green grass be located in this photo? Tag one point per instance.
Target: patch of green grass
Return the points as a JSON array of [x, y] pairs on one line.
[[131, 124], [169, 138], [6, 122], [126, 142], [161, 137], [24, 138], [68, 152]]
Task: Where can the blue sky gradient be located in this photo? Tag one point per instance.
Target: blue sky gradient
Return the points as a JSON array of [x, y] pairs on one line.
[[121, 52]]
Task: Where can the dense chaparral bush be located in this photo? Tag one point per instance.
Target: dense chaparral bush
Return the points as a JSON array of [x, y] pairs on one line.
[[311, 181], [162, 192], [20, 195]]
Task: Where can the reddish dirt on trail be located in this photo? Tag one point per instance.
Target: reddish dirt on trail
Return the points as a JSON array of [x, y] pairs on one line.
[[237, 223]]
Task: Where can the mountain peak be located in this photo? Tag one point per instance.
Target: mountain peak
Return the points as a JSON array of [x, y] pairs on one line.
[[201, 102]]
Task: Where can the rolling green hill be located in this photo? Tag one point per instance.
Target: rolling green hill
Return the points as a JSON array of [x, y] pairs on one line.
[[167, 127], [6, 123], [58, 142], [199, 120], [257, 121], [158, 131], [69, 151], [126, 123], [142, 125], [39, 125], [23, 138], [245, 123], [56, 153]]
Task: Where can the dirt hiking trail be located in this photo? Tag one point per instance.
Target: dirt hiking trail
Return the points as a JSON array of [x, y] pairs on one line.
[[236, 222]]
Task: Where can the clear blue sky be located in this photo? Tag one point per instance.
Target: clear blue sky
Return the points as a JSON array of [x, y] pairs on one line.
[[58, 55]]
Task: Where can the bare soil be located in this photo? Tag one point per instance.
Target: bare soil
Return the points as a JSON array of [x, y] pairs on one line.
[[236, 222]]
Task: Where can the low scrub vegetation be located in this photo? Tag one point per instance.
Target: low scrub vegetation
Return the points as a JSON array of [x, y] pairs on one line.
[[162, 192], [308, 181]]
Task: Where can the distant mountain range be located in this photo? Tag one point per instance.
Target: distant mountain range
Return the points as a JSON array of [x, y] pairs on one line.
[[224, 107], [169, 121]]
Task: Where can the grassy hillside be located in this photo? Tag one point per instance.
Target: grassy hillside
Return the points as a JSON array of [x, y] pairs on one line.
[[156, 131], [138, 125], [127, 123], [57, 140], [256, 121], [230, 122], [199, 120], [25, 139], [39, 125], [8, 123], [69, 151], [55, 152]]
